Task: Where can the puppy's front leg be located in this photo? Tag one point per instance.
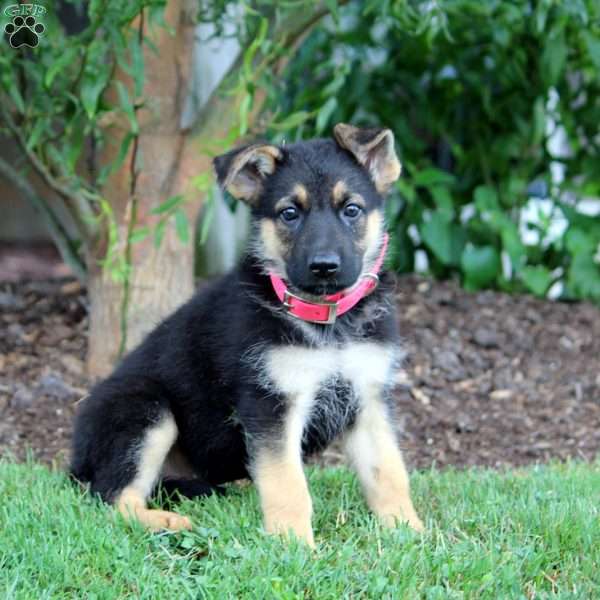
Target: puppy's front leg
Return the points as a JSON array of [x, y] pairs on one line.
[[275, 450], [283, 491], [373, 451]]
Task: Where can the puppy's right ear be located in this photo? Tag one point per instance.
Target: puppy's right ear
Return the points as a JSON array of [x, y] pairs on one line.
[[242, 171]]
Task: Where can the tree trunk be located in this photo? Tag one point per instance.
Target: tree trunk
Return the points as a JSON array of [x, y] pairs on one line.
[[157, 167], [120, 316]]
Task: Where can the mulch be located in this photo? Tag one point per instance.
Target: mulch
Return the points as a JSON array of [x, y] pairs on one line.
[[490, 379]]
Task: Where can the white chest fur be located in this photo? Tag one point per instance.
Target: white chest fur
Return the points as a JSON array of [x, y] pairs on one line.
[[300, 371]]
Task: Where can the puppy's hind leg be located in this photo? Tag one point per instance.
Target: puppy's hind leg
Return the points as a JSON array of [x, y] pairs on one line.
[[131, 500]]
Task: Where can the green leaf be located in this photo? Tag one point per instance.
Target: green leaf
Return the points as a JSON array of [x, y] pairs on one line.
[[292, 121], [127, 106], [446, 240], [168, 205], [137, 65], [91, 88], [443, 201], [430, 176], [537, 279], [512, 244], [407, 190], [538, 129], [202, 182], [332, 7], [592, 45], [73, 150], [182, 225], [578, 241], [36, 133], [325, 113], [15, 94], [123, 149], [481, 265], [65, 59], [486, 198], [139, 234], [245, 105], [554, 58], [583, 277], [253, 49], [159, 232]]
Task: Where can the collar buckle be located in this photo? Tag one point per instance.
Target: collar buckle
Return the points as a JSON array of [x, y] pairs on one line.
[[331, 309]]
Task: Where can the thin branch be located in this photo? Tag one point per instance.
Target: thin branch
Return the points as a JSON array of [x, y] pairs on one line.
[[78, 206], [58, 233]]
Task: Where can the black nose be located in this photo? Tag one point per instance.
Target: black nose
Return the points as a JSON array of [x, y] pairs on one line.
[[325, 264]]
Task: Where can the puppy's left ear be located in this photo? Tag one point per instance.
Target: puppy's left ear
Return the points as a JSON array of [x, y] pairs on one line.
[[242, 171], [374, 150]]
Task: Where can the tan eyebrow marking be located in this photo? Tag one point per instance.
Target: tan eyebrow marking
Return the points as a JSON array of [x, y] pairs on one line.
[[299, 191], [299, 195], [338, 194]]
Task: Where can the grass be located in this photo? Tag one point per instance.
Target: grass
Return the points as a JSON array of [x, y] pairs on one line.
[[527, 533]]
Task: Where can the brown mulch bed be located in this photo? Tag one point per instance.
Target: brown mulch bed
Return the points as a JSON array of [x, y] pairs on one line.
[[491, 379]]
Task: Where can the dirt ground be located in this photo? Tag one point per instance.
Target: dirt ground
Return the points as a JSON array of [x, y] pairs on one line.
[[491, 379]]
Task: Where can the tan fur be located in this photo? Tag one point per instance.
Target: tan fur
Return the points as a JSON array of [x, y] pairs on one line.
[[377, 153], [284, 496], [370, 243], [131, 502], [301, 196], [273, 247], [338, 194], [373, 451], [133, 507], [245, 185]]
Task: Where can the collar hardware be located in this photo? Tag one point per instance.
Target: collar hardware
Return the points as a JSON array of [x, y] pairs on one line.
[[330, 306]]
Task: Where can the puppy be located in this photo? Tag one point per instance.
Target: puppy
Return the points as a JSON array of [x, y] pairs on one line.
[[294, 348]]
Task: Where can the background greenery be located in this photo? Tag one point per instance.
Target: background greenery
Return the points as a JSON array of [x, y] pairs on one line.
[[473, 91]]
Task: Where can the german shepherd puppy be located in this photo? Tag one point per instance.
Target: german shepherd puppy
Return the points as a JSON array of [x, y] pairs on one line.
[[294, 348]]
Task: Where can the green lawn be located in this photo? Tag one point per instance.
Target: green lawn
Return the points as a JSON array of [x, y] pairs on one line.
[[531, 533]]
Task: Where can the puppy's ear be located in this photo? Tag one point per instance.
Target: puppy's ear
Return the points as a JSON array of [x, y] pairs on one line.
[[374, 150], [242, 171]]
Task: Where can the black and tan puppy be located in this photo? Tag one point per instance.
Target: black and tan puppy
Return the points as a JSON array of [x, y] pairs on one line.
[[294, 348]]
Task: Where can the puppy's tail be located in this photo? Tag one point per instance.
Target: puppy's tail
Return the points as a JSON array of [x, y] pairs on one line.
[[171, 487]]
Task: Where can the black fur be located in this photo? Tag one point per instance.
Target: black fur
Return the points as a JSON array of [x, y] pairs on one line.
[[201, 363]]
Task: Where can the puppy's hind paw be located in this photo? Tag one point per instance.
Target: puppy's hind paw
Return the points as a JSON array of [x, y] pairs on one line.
[[156, 520]]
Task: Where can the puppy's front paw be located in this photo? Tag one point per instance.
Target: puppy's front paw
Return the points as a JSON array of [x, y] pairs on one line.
[[300, 530], [393, 520]]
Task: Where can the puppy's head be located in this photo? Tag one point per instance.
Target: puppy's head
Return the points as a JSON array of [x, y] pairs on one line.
[[317, 206]]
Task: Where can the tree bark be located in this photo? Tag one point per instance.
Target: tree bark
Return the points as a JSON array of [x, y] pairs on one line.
[[156, 168]]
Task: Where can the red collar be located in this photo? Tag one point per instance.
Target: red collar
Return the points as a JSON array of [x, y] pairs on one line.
[[335, 304]]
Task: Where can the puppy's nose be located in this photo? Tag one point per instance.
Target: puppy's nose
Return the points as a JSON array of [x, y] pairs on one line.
[[324, 264]]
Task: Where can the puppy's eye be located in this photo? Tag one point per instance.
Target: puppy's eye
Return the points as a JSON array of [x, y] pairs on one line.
[[289, 214], [352, 211]]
